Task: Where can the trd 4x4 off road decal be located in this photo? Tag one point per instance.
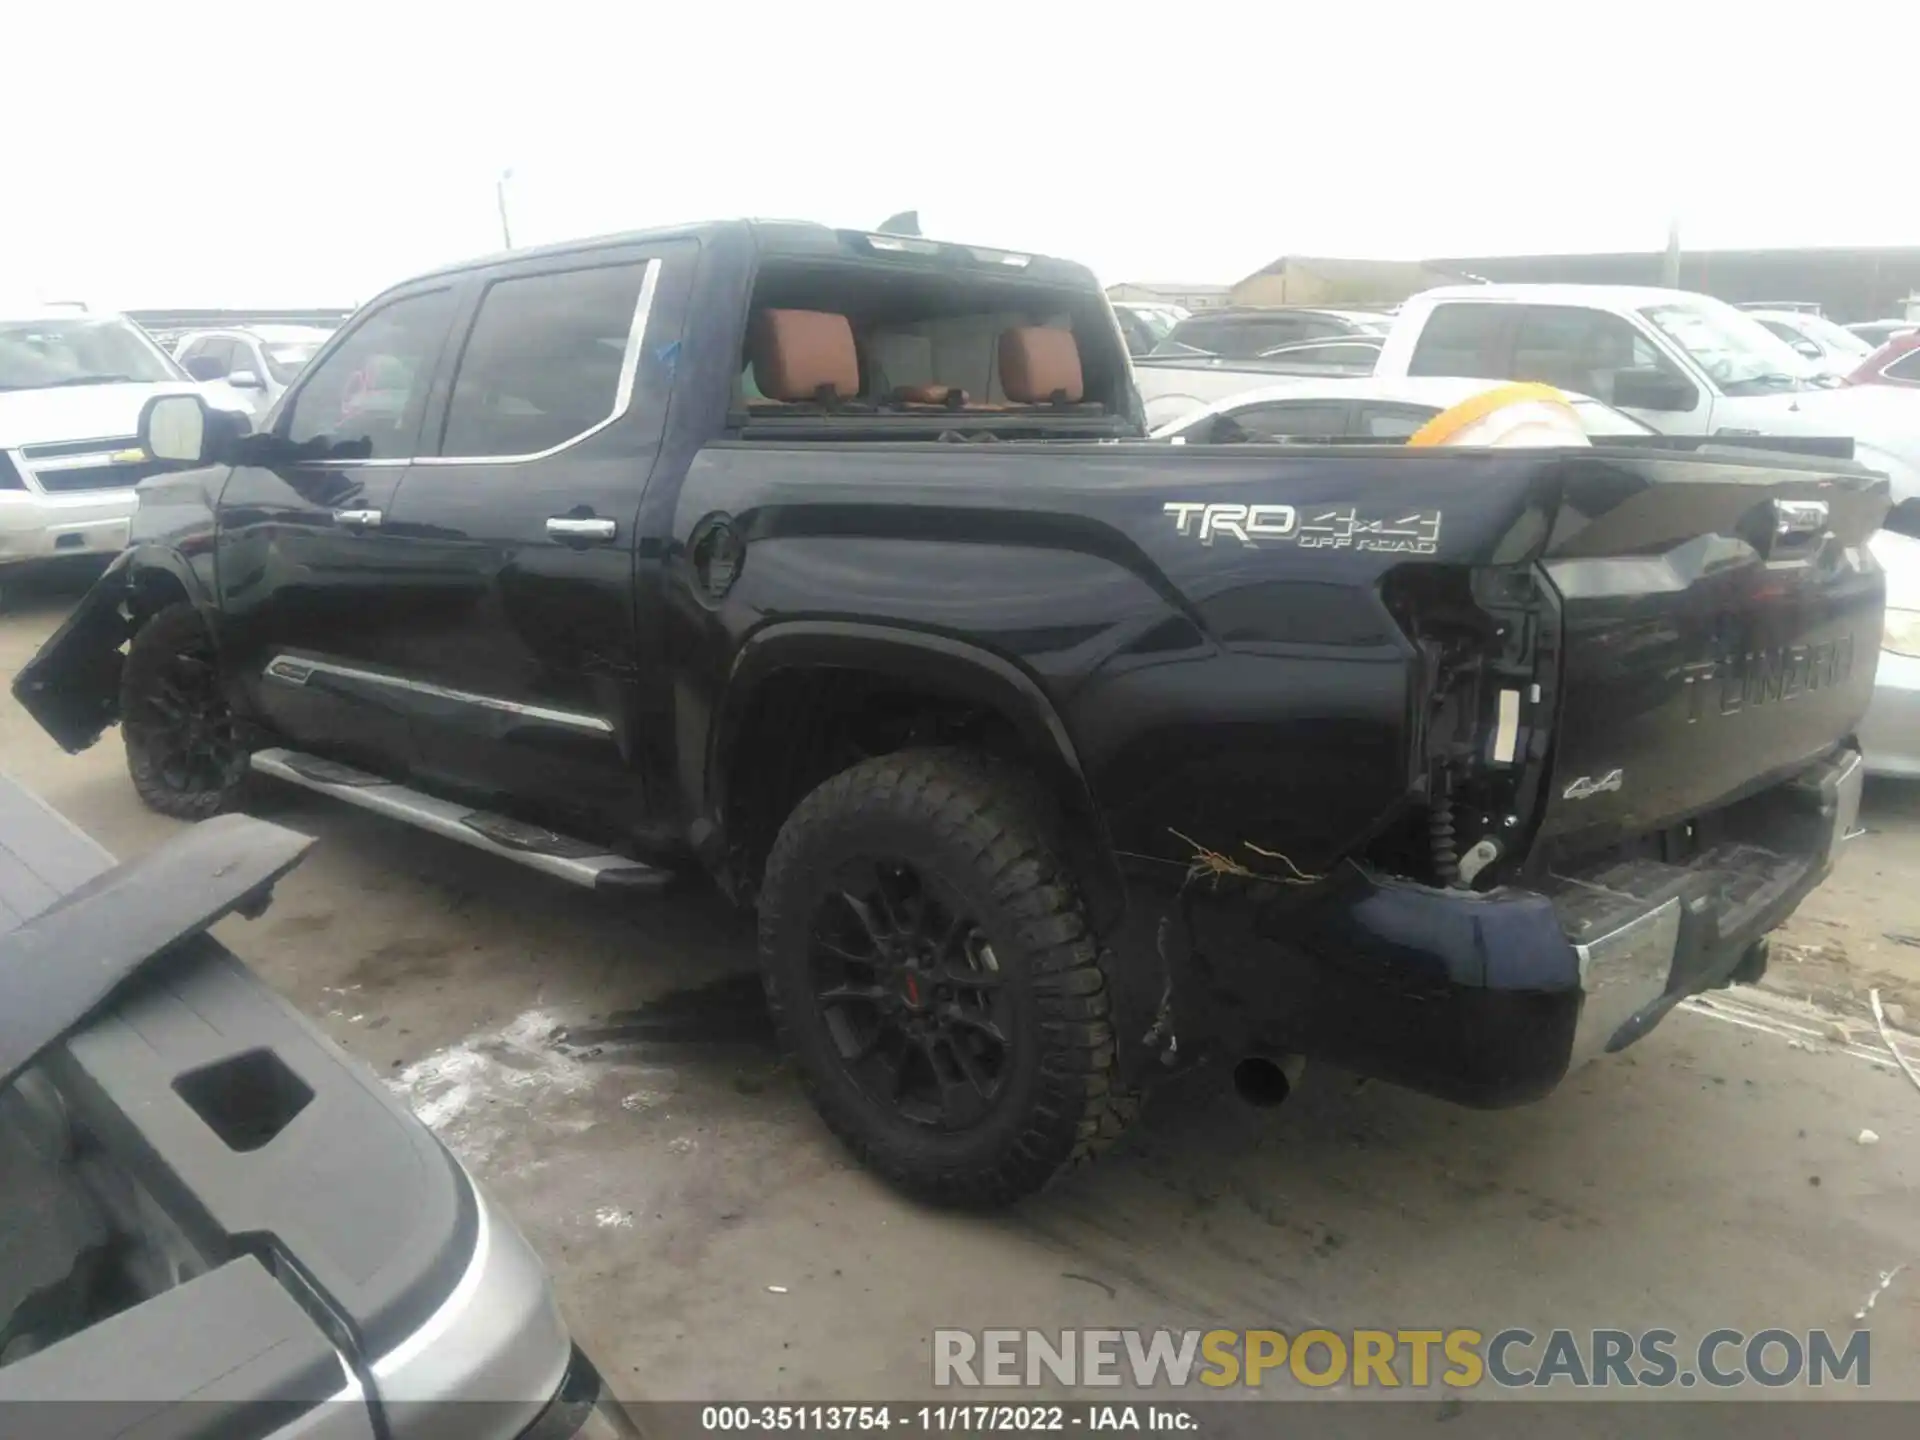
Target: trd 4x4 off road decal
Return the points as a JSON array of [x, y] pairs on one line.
[[1336, 528]]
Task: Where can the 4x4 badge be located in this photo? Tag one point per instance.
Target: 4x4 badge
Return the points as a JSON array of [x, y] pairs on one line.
[[1586, 787]]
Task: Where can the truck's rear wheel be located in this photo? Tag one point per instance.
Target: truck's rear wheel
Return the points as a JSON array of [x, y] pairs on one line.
[[929, 966], [183, 750]]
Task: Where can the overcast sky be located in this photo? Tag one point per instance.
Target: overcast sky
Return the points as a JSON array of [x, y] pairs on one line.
[[243, 154]]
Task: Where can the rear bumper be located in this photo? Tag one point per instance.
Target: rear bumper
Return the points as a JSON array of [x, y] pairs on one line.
[[1490, 999], [1890, 735]]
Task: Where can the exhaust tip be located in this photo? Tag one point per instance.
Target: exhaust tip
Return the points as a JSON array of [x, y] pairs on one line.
[[1265, 1081]]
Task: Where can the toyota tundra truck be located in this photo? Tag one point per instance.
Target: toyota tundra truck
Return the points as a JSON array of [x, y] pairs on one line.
[[836, 566]]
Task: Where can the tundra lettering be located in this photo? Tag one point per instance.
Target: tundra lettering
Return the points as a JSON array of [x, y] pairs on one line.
[[1761, 677]]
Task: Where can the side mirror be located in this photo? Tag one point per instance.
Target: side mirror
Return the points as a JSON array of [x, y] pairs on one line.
[[1653, 390], [185, 430], [1808, 350], [244, 380]]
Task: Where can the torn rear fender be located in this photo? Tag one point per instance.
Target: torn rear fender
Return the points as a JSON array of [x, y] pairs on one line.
[[72, 685]]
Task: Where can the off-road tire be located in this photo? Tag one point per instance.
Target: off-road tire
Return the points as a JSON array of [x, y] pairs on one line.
[[969, 821], [155, 647]]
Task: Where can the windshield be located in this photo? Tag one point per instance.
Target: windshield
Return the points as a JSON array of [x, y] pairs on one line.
[[1737, 351], [1837, 338], [1158, 322], [40, 354], [286, 361]]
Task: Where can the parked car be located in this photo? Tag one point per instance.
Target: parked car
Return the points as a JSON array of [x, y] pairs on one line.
[[1354, 354], [215, 1222], [1890, 735], [259, 361], [1831, 349], [1362, 408], [999, 717], [1173, 385], [71, 388], [1895, 363], [1879, 332], [1686, 364], [1145, 326], [1241, 334]]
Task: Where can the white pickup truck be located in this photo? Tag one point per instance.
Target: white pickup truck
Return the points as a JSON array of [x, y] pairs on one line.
[[1685, 364]]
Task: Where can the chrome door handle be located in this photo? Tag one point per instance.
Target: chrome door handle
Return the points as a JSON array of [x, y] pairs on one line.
[[571, 527], [359, 519]]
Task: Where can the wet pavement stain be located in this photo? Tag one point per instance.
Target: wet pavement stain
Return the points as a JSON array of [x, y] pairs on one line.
[[729, 1011]]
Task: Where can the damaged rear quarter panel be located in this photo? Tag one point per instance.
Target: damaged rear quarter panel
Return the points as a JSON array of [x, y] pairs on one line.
[[1280, 704], [1232, 692]]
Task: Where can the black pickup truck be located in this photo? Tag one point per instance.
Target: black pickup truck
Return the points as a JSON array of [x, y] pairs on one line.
[[835, 565]]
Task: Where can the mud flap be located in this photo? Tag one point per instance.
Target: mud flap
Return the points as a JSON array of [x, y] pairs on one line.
[[72, 685]]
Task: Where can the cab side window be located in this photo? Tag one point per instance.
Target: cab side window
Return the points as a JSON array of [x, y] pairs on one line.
[[1383, 421], [209, 358], [1463, 339], [366, 399], [247, 359], [1289, 420], [1582, 350], [544, 361]]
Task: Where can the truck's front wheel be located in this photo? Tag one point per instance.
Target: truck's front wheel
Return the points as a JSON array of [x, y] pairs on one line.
[[929, 965], [183, 751]]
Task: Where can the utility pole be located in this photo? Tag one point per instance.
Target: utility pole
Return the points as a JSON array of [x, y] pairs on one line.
[[500, 194], [1670, 268]]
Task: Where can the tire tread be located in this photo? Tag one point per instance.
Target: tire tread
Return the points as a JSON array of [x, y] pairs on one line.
[[983, 805]]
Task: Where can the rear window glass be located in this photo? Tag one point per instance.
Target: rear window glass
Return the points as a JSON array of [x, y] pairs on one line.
[[543, 361], [1242, 337], [923, 341], [1461, 339]]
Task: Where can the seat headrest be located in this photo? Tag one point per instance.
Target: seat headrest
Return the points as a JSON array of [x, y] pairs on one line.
[[799, 353], [1039, 363]]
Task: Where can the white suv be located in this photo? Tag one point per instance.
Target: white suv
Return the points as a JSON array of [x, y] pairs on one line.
[[72, 386], [257, 361]]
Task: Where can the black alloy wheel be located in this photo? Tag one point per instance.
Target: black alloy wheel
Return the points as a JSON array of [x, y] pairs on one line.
[[183, 746], [931, 970], [912, 994]]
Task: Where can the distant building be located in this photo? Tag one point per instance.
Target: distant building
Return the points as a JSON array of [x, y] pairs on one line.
[[1847, 284], [1321, 280], [1191, 297]]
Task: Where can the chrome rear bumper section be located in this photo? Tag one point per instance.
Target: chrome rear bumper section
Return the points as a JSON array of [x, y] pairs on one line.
[[1490, 998], [1647, 934]]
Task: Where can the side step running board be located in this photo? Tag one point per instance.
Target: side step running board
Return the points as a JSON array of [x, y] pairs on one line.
[[559, 855]]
